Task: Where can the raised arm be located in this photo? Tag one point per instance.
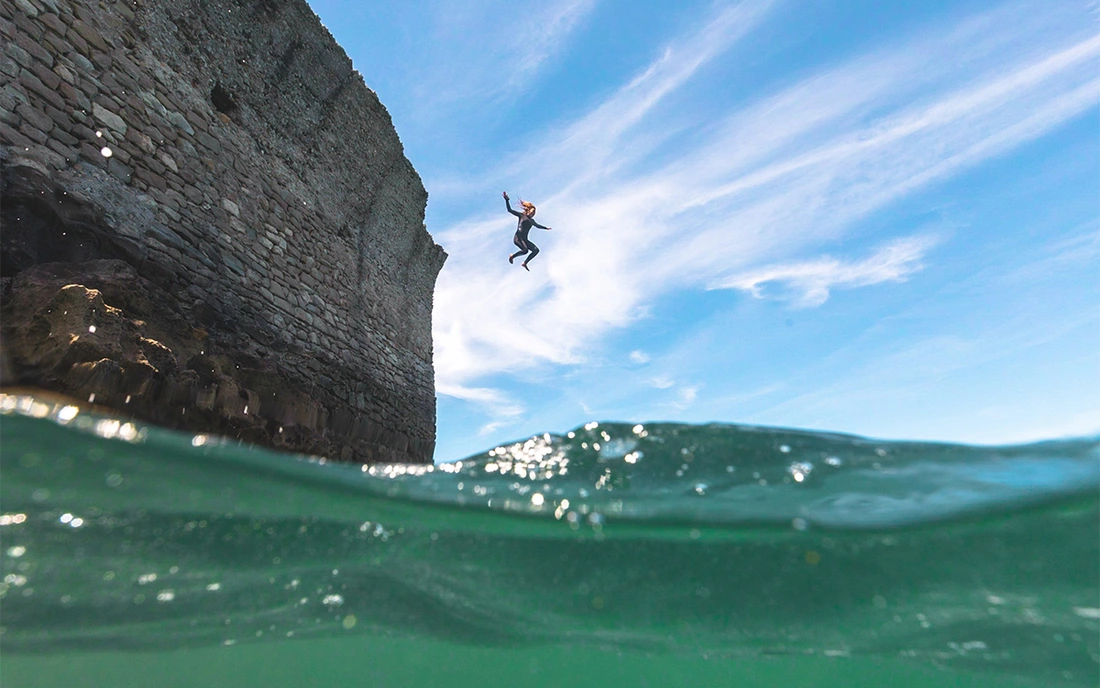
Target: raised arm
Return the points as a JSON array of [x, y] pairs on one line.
[[508, 205]]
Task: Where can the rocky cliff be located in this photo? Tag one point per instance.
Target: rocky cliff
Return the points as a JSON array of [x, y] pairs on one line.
[[209, 222]]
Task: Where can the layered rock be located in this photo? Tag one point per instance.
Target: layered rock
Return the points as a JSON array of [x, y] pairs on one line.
[[208, 221]]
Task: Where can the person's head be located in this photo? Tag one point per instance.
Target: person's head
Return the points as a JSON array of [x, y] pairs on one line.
[[528, 208]]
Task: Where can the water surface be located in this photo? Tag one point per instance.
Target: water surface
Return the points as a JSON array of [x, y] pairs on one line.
[[650, 555]]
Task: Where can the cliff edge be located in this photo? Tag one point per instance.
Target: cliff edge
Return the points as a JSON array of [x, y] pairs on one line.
[[209, 222]]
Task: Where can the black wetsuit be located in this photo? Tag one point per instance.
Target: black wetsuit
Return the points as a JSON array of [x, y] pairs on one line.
[[522, 229]]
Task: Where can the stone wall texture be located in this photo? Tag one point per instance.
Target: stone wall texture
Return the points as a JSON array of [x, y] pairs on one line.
[[256, 218]]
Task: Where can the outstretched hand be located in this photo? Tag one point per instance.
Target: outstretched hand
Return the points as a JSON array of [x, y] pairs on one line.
[[505, 194]]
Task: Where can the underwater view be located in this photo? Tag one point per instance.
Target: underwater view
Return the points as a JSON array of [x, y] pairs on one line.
[[613, 554]]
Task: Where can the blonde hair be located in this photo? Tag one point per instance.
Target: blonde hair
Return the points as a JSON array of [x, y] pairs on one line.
[[528, 207]]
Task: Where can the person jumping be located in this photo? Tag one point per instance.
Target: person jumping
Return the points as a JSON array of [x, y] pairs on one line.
[[526, 220]]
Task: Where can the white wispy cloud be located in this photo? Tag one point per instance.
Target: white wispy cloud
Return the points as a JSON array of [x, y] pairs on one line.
[[491, 427], [758, 195], [686, 396], [484, 53], [813, 280], [591, 147], [495, 402], [543, 35], [662, 382]]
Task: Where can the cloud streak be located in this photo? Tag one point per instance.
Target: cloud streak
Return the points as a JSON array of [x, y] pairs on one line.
[[543, 36], [592, 145], [485, 53], [813, 280]]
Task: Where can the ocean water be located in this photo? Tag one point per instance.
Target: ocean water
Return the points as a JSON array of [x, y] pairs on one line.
[[611, 555]]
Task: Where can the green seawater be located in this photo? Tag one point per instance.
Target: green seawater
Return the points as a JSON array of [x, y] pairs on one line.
[[612, 555]]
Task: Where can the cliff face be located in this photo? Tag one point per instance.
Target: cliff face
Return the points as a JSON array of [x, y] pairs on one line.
[[209, 221]]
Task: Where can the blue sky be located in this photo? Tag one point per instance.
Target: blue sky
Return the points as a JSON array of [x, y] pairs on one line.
[[878, 218]]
